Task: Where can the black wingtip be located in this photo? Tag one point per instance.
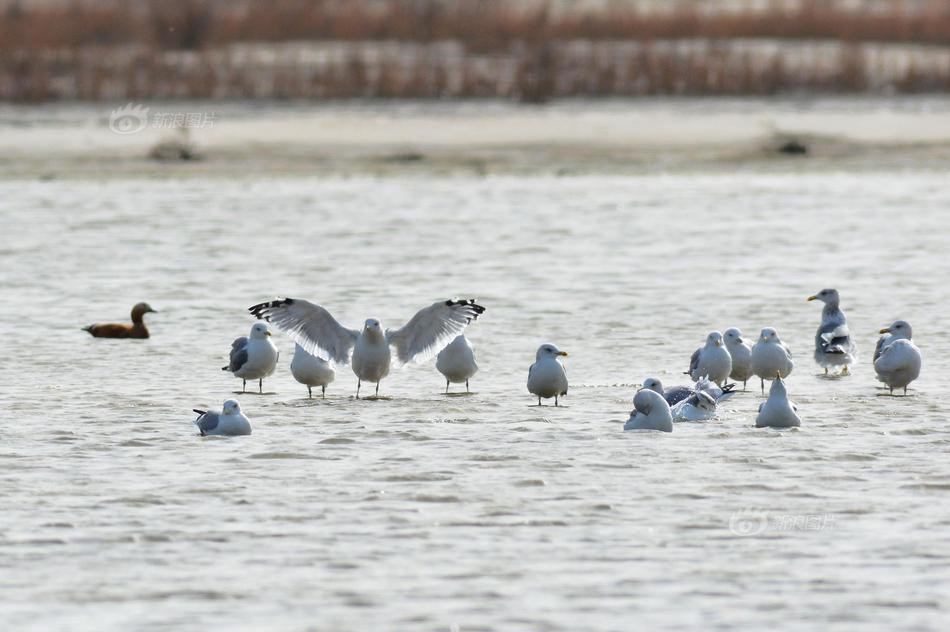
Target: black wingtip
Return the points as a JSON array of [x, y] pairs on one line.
[[258, 311], [728, 387], [224, 368], [200, 412], [474, 309]]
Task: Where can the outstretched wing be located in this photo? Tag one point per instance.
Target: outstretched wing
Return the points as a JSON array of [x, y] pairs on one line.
[[432, 328], [238, 354], [310, 326]]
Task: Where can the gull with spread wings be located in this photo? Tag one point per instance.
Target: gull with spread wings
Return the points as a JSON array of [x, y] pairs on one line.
[[369, 351]]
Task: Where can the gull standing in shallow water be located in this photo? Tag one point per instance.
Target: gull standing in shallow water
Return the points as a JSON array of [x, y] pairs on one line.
[[230, 421], [546, 377], [770, 356], [368, 351], [457, 362], [778, 411], [897, 360], [253, 357], [712, 360], [833, 344], [122, 330], [650, 412], [311, 371], [741, 353]]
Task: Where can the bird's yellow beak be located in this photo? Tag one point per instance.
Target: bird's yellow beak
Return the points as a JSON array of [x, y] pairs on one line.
[[562, 353], [269, 333], [811, 298], [885, 330]]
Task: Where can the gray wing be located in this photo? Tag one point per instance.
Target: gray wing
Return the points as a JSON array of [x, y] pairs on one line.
[[238, 354], [788, 351], [879, 347], [310, 326], [432, 328], [677, 394], [694, 361], [206, 421]]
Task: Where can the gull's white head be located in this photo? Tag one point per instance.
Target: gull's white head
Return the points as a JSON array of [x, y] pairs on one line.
[[733, 336], [231, 407], [899, 329], [714, 339], [549, 351], [827, 296], [653, 384], [260, 331], [769, 335], [372, 325]]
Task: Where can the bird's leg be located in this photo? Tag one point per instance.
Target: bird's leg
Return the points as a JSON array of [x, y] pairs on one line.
[[324, 393], [743, 384], [762, 380], [446, 387], [905, 391], [539, 400], [309, 392], [260, 386], [244, 386], [359, 383], [846, 370], [466, 386], [377, 389], [891, 389], [555, 400]]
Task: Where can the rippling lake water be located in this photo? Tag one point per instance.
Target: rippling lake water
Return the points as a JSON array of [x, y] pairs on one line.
[[421, 511]]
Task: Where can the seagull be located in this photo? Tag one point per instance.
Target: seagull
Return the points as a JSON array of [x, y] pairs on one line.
[[741, 353], [546, 377], [457, 362], [650, 412], [771, 356], [699, 406], [899, 361], [368, 351], [898, 330], [777, 411], [230, 421], [311, 370], [122, 330], [676, 394], [712, 360], [833, 344], [253, 357]]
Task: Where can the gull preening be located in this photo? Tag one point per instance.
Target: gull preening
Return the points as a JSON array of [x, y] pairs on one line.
[[897, 359], [123, 330], [711, 360], [253, 357], [368, 350], [546, 377], [770, 357], [230, 421], [778, 411], [457, 362], [699, 406], [677, 394], [741, 353], [311, 370], [650, 412], [833, 344]]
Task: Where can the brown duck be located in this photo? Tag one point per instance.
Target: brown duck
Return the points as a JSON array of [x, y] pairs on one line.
[[121, 330]]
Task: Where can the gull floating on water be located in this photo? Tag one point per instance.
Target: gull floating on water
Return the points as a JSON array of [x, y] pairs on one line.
[[676, 394], [741, 353], [311, 370], [711, 360], [368, 351], [546, 377], [650, 412], [253, 357], [457, 362], [699, 406], [777, 411], [230, 421], [833, 344], [122, 330], [899, 361], [770, 356]]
